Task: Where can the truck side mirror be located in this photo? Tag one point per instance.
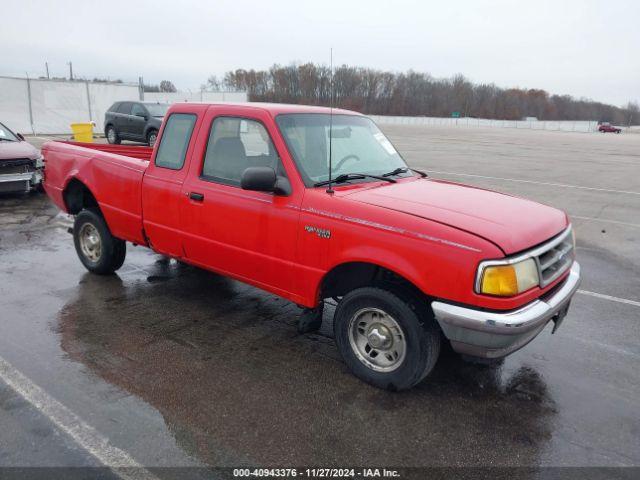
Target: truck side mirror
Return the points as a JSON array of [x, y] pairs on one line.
[[264, 179]]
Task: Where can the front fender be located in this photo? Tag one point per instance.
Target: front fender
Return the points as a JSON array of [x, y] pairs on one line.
[[381, 257]]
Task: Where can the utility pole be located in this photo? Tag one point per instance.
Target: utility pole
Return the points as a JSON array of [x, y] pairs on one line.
[[70, 70], [46, 66]]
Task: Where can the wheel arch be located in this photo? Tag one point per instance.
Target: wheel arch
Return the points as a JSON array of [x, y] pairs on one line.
[[150, 128], [349, 275], [77, 196]]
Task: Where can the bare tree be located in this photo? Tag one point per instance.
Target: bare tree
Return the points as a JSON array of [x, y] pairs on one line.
[[167, 86], [413, 93]]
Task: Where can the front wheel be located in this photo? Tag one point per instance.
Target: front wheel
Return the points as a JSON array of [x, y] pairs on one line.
[[98, 250], [385, 340], [152, 136], [112, 135]]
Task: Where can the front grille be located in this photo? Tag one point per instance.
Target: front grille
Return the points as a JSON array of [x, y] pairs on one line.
[[554, 257], [16, 162], [15, 166], [13, 173]]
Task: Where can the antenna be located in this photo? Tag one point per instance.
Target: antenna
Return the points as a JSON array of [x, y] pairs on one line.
[[329, 189]]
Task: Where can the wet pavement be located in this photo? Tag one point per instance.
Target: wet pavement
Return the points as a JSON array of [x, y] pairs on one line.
[[180, 367]]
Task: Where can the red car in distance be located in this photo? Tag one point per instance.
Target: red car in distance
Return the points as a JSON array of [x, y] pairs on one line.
[[608, 128]]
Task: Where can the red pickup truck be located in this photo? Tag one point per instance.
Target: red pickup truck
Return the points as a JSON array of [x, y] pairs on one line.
[[244, 190]]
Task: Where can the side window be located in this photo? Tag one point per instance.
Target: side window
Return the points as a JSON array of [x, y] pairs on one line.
[[175, 140], [114, 107], [138, 109], [125, 108], [234, 145]]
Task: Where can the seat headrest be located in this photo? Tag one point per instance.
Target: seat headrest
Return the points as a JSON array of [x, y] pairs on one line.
[[229, 147]]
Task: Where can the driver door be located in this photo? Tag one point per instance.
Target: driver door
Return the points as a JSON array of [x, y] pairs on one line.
[[246, 234]]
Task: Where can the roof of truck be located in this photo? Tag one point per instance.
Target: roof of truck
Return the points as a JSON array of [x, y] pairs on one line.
[[274, 108]]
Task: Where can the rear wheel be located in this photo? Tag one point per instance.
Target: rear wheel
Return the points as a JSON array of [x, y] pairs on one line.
[[98, 250], [386, 340], [112, 135]]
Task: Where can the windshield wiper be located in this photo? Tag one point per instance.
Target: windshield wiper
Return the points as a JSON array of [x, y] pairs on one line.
[[345, 177], [6, 139], [400, 170]]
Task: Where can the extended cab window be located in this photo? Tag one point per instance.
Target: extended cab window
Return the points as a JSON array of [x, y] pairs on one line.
[[234, 145], [175, 140]]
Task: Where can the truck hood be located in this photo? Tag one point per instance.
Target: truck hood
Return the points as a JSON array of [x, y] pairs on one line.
[[14, 150], [513, 224]]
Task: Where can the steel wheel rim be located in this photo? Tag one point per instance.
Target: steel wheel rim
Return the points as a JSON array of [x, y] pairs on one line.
[[111, 135], [90, 242], [377, 340]]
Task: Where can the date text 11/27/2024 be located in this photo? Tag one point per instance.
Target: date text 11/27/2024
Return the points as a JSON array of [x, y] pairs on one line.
[[316, 473]]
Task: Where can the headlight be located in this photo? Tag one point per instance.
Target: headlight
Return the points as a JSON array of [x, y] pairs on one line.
[[39, 161], [508, 279]]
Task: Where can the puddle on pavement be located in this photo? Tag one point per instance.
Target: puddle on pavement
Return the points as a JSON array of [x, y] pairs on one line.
[[223, 364]]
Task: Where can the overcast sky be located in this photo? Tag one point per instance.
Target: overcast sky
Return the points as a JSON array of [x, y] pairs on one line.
[[584, 48]]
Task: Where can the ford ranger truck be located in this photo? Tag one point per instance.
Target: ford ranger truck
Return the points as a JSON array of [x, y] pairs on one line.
[[246, 191]]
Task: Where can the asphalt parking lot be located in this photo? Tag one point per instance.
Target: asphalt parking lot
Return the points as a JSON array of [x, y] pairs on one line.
[[170, 366]]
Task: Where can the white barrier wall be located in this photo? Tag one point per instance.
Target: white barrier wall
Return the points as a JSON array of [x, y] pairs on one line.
[[14, 105], [49, 106], [566, 126], [102, 96]]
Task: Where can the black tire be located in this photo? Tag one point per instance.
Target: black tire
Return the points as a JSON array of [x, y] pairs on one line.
[[112, 250], [152, 137], [419, 328], [113, 139]]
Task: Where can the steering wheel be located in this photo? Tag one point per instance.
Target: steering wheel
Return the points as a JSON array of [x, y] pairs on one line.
[[344, 159]]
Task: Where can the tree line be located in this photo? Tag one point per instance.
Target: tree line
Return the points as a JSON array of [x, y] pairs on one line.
[[164, 86], [412, 93]]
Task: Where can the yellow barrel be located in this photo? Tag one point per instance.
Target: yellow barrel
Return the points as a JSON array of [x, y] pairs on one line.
[[82, 132]]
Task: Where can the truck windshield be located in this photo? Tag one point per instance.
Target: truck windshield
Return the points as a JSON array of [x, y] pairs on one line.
[[357, 145], [157, 109]]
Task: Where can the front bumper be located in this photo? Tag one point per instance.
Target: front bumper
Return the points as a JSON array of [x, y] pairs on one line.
[[19, 182], [485, 334]]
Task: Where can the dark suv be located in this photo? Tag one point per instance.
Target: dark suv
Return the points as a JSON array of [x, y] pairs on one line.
[[137, 121]]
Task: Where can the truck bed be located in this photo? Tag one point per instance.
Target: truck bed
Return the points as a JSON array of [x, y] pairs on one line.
[[141, 152], [112, 173]]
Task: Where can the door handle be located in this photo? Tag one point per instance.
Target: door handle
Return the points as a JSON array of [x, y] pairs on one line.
[[198, 197]]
